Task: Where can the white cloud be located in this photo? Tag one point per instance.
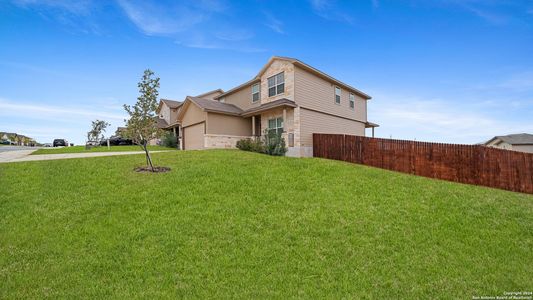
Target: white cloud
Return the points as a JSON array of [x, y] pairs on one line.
[[327, 9], [80, 7], [273, 23], [189, 23], [519, 82], [155, 19], [46, 122], [26, 110], [440, 120]]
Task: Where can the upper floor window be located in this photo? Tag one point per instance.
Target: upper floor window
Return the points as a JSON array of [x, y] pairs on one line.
[[276, 85], [275, 125], [352, 101], [255, 92], [337, 95], [222, 100]]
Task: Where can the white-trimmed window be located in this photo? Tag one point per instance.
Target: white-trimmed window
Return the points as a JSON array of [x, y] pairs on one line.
[[352, 101], [276, 84], [255, 92], [275, 125], [338, 95], [223, 99]]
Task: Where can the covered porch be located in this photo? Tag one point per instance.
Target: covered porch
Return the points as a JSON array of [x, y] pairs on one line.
[[276, 115]]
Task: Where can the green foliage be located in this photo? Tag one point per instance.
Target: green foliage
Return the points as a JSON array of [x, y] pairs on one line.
[[253, 145], [98, 127], [271, 143], [142, 124], [233, 224], [274, 143], [169, 140]]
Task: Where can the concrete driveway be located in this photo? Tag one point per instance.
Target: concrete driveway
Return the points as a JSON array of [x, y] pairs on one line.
[[24, 155], [16, 148]]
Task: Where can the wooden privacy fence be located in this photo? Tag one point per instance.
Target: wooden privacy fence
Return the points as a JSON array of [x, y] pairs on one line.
[[472, 164]]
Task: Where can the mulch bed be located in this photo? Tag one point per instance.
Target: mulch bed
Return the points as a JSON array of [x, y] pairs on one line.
[[149, 170]]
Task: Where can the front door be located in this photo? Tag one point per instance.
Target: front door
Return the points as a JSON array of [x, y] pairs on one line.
[[257, 126]]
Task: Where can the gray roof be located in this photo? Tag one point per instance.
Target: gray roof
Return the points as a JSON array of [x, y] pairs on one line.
[[269, 105], [210, 92], [172, 103], [216, 106], [161, 123], [516, 139]]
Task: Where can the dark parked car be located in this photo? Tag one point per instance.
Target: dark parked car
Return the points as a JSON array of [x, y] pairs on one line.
[[60, 142], [116, 141]]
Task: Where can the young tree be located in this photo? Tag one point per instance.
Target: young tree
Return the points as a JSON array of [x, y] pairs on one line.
[[142, 124], [97, 129]]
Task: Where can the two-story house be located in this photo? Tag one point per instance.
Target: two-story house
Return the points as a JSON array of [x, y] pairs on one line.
[[286, 95]]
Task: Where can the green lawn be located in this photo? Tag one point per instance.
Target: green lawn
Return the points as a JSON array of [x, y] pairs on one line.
[[232, 224], [81, 149]]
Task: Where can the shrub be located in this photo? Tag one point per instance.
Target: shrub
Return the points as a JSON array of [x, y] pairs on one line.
[[245, 144], [169, 140], [254, 145], [274, 143]]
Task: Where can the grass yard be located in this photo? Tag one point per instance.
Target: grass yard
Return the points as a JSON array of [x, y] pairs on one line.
[[232, 224], [81, 149]]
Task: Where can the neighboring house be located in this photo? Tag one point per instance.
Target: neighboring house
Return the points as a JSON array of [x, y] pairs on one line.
[[4, 136], [16, 139], [522, 142], [287, 96], [120, 131]]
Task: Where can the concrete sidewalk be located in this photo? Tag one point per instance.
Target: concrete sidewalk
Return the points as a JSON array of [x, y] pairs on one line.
[[24, 155]]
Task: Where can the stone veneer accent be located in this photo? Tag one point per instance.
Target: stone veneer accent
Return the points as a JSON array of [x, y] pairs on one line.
[[277, 67], [222, 141]]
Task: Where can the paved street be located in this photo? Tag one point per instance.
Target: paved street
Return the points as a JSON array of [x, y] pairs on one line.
[[16, 148], [24, 155]]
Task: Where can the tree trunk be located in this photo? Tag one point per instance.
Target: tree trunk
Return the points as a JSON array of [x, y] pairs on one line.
[[148, 158]]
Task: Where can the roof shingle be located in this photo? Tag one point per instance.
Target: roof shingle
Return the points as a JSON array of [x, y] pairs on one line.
[[216, 106]]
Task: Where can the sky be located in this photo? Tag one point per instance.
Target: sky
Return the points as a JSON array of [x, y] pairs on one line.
[[454, 71]]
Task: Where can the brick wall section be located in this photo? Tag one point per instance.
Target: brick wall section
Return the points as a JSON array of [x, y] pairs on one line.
[[471, 164]]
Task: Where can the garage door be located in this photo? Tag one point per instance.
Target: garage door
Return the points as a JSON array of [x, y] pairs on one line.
[[193, 137]]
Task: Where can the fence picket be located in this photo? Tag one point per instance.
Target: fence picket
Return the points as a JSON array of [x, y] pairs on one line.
[[472, 164]]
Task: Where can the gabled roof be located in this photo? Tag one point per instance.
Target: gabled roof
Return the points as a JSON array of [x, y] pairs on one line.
[[209, 105], [210, 92], [239, 87], [277, 103], [161, 123], [172, 103], [302, 65], [514, 139]]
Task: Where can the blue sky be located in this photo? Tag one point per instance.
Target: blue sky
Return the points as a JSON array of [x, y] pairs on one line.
[[456, 71]]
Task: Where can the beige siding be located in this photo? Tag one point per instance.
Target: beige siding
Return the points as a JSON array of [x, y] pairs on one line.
[[194, 137], [193, 114], [211, 95], [315, 122], [164, 113], [228, 125], [173, 115], [242, 98], [318, 94], [523, 148]]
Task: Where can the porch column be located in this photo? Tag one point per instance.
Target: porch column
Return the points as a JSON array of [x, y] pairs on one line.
[[284, 120], [253, 125], [180, 138], [372, 131]]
